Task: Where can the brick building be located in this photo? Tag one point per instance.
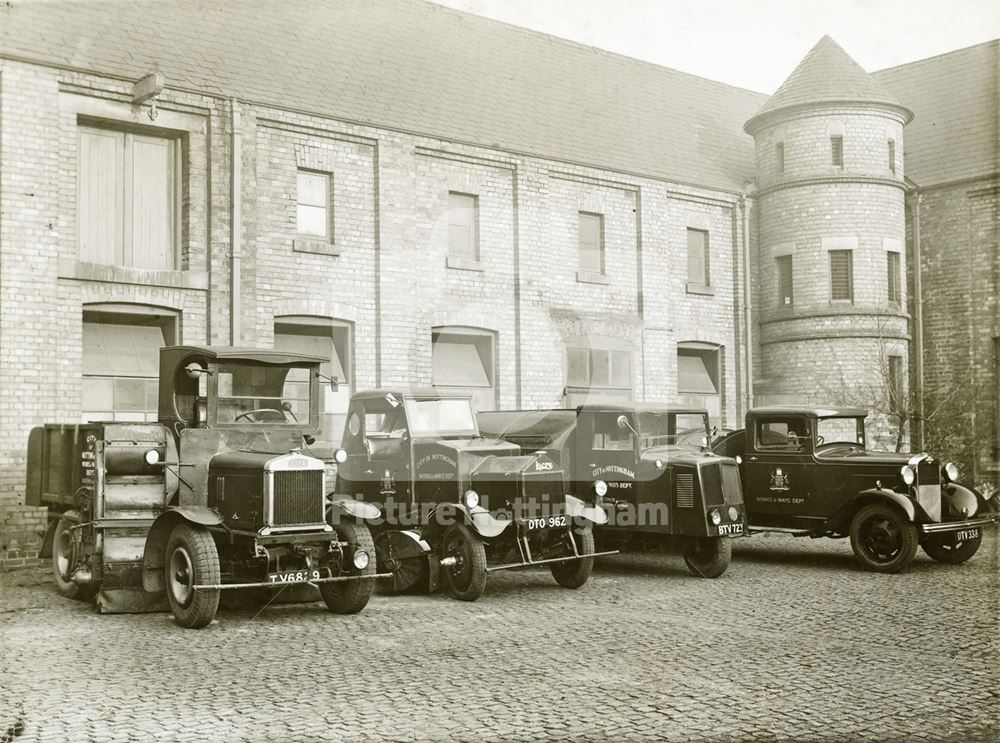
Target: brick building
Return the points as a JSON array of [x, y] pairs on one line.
[[429, 197]]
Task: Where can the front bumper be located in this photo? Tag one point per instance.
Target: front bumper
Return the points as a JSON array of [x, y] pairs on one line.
[[958, 525]]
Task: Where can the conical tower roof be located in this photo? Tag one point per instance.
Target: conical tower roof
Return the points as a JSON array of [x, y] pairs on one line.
[[827, 74]]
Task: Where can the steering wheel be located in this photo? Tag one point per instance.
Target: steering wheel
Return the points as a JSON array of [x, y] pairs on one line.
[[257, 412]]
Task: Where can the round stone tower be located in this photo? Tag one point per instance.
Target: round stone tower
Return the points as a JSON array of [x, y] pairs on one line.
[[830, 271]]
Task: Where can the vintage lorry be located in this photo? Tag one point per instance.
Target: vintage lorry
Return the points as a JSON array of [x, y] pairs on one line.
[[458, 505], [661, 486], [808, 471], [215, 495]]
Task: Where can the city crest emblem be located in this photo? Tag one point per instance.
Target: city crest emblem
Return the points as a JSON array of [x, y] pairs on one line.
[[779, 480]]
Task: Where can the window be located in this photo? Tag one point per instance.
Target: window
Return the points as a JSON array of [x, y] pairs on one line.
[[893, 277], [699, 376], [842, 275], [892, 155], [697, 255], [781, 434], [333, 340], [591, 237], [462, 360], [313, 210], [837, 149], [121, 361], [597, 372], [779, 151], [785, 296], [463, 226], [896, 401], [127, 205]]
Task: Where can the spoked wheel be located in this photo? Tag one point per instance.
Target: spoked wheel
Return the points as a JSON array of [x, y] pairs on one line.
[[882, 539], [351, 596], [392, 550], [708, 557], [946, 548], [574, 573], [192, 560], [466, 576], [64, 559]]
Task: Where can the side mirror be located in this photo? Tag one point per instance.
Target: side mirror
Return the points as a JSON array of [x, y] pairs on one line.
[[334, 384], [625, 425], [195, 370]]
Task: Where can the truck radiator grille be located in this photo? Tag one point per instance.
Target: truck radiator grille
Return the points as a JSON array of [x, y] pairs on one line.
[[545, 488], [684, 490], [298, 497]]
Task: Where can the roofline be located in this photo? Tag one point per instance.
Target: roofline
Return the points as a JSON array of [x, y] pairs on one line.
[[818, 411], [938, 56]]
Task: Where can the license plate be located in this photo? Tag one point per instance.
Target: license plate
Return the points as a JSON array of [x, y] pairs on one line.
[[728, 529], [961, 536], [550, 522], [297, 576]]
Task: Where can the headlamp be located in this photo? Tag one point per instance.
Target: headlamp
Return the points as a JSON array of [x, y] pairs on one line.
[[340, 456], [950, 472], [734, 513], [361, 559], [715, 516], [152, 456], [908, 474], [471, 499], [600, 487]]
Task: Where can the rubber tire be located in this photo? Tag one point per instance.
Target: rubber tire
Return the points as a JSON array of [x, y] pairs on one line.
[[351, 596], [950, 554], [574, 573], [907, 534], [708, 557], [473, 581], [201, 607], [67, 588]]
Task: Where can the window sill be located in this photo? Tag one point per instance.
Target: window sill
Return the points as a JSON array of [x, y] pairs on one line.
[[86, 271], [464, 264], [841, 302], [707, 291], [592, 277], [317, 247]]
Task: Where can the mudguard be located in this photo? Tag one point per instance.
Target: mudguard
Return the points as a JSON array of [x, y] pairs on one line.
[[156, 540], [577, 507], [481, 520], [962, 501], [358, 509], [876, 494]]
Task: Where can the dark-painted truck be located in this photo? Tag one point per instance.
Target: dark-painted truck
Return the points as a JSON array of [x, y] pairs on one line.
[[663, 489], [808, 471], [216, 494], [457, 504]]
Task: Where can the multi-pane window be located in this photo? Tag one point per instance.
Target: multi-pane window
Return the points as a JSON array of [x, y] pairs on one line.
[[896, 402], [127, 205], [313, 205], [463, 226], [462, 359], [892, 155], [779, 151], [594, 374], [893, 276], [785, 296], [332, 340], [121, 360], [591, 242], [837, 149], [842, 275], [697, 257]]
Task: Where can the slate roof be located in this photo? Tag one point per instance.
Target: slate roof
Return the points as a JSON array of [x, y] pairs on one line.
[[413, 66], [956, 97], [827, 74]]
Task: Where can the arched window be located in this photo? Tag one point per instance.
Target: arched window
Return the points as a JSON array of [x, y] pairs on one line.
[[464, 360], [121, 360]]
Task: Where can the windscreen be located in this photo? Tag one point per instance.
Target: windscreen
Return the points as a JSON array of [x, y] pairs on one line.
[[840, 430], [672, 429], [442, 417], [262, 394]]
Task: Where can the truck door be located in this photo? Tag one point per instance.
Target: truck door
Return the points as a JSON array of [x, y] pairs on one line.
[[777, 473], [607, 451], [378, 457]]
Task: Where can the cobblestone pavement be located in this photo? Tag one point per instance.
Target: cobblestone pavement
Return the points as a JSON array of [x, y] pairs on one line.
[[793, 642]]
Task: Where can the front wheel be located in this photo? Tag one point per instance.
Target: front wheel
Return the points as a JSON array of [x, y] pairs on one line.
[[708, 557], [947, 549], [883, 540], [351, 596], [574, 573], [466, 575], [192, 560], [65, 559]]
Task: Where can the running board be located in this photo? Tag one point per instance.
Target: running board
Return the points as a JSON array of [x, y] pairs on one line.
[[780, 529], [553, 559]]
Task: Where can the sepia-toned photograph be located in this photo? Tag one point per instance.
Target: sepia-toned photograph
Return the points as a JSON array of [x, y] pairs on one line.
[[499, 370]]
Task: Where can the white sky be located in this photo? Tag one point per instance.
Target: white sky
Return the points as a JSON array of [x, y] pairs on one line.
[[753, 44]]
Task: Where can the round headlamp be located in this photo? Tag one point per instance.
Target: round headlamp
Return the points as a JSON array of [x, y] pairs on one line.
[[734, 513], [950, 472], [361, 559], [739, 459], [659, 464], [152, 456], [600, 487], [471, 499], [715, 516], [340, 456], [908, 474]]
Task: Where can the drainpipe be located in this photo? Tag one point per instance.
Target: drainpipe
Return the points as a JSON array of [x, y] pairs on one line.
[[746, 206], [236, 225], [918, 321]]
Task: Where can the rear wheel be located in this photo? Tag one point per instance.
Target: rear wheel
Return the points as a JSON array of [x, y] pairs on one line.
[[882, 538], [574, 573], [947, 549], [407, 572], [65, 560], [708, 557], [351, 596], [192, 560], [466, 575]]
